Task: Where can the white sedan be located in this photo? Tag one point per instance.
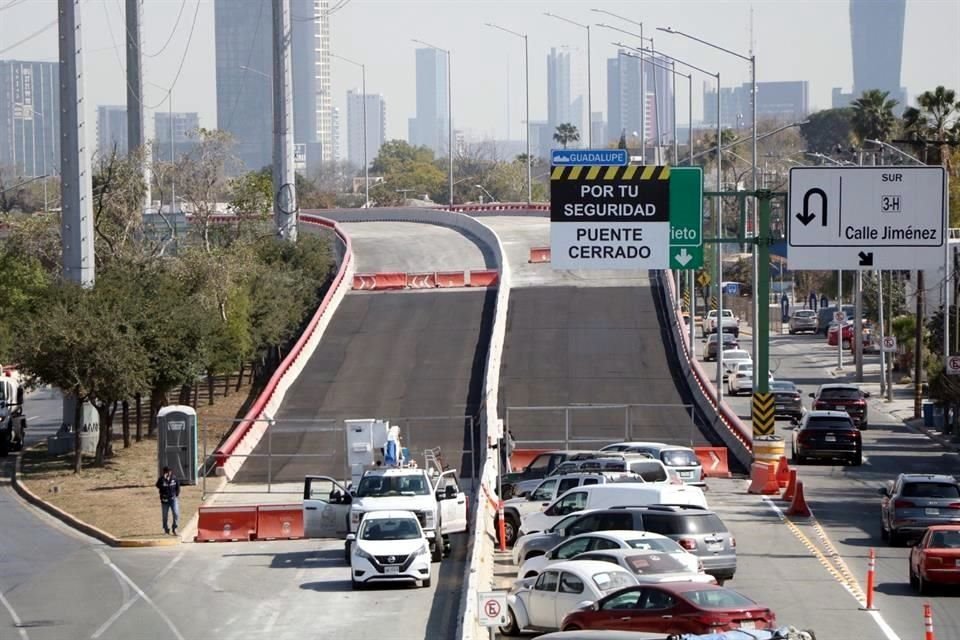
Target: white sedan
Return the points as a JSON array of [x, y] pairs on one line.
[[649, 567], [389, 546], [733, 357], [741, 378], [540, 603], [609, 540]]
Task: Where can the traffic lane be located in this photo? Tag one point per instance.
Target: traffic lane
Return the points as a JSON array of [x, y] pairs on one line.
[[777, 570], [284, 590], [43, 408], [53, 580], [519, 234], [411, 247]]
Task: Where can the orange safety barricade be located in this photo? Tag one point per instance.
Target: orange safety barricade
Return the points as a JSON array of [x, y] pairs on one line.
[[791, 489], [484, 278], [446, 279], [539, 255], [714, 461], [783, 472], [364, 281], [520, 458], [279, 522], [421, 280], [390, 280], [226, 523], [763, 479]]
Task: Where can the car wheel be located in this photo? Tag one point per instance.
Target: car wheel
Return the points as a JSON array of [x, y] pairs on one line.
[[436, 554], [884, 534], [857, 460], [346, 552], [792, 332], [510, 527], [426, 583], [913, 579], [893, 538], [511, 628], [923, 587]]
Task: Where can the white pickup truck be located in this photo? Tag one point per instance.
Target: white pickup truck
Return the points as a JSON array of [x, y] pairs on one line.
[[730, 323]]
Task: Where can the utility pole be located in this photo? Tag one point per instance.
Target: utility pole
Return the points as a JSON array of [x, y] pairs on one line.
[[284, 179], [76, 220], [918, 350], [135, 137]]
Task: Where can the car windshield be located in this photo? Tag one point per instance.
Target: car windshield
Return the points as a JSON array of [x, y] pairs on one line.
[[679, 458], [655, 544], [945, 540], [689, 524], [613, 580], [379, 486], [805, 314], [390, 529], [840, 394], [783, 387], [649, 563], [650, 471], [718, 599], [930, 490]]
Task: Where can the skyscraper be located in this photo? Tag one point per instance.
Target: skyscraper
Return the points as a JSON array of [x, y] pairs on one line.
[[782, 102], [623, 96], [658, 84], [244, 65], [429, 127], [180, 127], [876, 36], [558, 88], [30, 117], [111, 130], [376, 126]]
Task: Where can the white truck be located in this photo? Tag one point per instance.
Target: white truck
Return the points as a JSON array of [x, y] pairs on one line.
[[334, 509], [13, 424], [729, 322]]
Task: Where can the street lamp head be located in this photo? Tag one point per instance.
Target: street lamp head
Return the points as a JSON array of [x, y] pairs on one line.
[[667, 29]]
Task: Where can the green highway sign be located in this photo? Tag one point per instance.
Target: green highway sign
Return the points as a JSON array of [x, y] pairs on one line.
[[686, 217]]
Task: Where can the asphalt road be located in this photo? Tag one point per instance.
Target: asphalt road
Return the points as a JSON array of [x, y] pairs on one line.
[[414, 248], [44, 410], [844, 499]]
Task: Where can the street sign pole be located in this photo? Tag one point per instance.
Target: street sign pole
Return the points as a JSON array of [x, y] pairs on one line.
[[762, 413]]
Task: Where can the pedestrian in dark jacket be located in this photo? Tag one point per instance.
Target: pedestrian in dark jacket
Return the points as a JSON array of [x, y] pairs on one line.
[[169, 488]]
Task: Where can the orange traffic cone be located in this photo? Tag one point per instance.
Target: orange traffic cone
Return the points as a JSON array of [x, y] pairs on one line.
[[798, 507], [791, 487], [783, 472], [927, 622]]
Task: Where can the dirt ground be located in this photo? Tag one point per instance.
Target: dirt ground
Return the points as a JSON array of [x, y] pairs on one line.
[[120, 497]]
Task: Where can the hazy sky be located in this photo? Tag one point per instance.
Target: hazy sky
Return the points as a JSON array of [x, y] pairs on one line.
[[794, 39]]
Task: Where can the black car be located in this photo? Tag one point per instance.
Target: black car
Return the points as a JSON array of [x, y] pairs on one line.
[[843, 397], [826, 435], [540, 467], [787, 400]]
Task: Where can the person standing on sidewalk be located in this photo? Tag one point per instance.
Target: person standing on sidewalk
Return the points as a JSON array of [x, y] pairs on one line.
[[169, 488]]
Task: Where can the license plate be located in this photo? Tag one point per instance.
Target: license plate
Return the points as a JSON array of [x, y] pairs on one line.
[[931, 512], [829, 438], [745, 624], [393, 568], [840, 407], [717, 546], [686, 474]]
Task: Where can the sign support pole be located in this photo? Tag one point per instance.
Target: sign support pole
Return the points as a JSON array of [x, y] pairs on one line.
[[762, 398], [883, 333]]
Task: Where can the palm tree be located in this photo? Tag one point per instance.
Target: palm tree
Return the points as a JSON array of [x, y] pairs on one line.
[[936, 122], [566, 133], [873, 117]]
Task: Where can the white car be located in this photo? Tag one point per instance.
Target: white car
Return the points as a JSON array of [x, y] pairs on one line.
[[741, 378], [606, 541], [540, 604], [650, 567], [733, 357], [681, 460], [389, 546]]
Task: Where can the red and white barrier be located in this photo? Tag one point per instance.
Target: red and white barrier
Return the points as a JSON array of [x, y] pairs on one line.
[[226, 524], [421, 280], [539, 255], [484, 278], [448, 279], [279, 522]]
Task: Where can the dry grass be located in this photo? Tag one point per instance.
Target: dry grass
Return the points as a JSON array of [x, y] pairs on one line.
[[120, 497]]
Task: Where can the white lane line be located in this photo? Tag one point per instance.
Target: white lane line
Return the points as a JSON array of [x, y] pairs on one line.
[[140, 593], [130, 601], [13, 615], [884, 627]]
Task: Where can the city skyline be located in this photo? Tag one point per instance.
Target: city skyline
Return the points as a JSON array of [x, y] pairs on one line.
[[481, 72]]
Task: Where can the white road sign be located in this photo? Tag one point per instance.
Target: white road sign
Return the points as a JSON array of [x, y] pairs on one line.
[[953, 365], [492, 608], [840, 316], [889, 344], [866, 218]]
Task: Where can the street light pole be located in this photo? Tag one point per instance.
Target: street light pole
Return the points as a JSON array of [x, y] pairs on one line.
[[363, 101], [449, 111], [589, 74], [526, 73]]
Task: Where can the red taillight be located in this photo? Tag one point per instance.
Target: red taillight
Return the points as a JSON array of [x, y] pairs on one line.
[[687, 543], [712, 621], [953, 505], [805, 436], [903, 504]]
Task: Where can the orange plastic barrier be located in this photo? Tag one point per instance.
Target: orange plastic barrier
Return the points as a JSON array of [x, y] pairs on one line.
[[421, 280], [783, 472], [798, 507], [380, 281], [539, 255], [763, 479], [714, 461], [484, 278], [451, 279], [226, 523], [522, 457], [279, 522]]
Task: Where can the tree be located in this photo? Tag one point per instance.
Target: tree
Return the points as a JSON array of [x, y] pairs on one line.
[[201, 176], [24, 282], [873, 117], [826, 130], [565, 134], [118, 194], [17, 192], [934, 126]]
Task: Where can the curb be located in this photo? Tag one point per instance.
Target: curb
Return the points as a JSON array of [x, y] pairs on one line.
[[916, 425], [75, 523]]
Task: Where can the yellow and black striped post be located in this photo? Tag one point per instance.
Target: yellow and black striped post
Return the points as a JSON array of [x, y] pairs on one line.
[[713, 303], [634, 173], [762, 412], [686, 299]]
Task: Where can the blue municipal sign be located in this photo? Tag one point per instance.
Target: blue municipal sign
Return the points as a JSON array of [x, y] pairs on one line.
[[598, 157]]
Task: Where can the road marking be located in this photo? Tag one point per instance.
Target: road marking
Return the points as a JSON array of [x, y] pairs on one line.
[[13, 615], [841, 572], [130, 601], [140, 593]]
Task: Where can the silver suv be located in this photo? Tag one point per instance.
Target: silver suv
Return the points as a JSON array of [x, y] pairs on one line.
[[916, 501], [803, 320]]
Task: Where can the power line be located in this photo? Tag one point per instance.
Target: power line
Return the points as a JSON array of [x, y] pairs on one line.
[[173, 32], [11, 4], [183, 59], [29, 37]]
